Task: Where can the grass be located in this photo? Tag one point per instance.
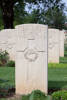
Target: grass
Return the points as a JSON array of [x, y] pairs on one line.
[[35, 95], [65, 47], [26, 98], [7, 77], [56, 65], [65, 53], [57, 76], [63, 60], [57, 73]]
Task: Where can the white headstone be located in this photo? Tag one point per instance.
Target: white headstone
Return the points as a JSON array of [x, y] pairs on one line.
[[3, 40], [53, 45], [31, 58], [61, 43], [7, 41]]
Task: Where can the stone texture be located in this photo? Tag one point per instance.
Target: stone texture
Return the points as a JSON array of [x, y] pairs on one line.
[[61, 43], [8, 41], [31, 58], [53, 45]]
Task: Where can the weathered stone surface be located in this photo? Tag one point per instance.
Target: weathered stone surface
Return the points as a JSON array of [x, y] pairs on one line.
[[61, 43], [31, 58], [8, 41], [53, 45]]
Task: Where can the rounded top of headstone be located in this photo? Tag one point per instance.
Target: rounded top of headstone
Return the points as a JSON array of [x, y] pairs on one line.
[[21, 26]]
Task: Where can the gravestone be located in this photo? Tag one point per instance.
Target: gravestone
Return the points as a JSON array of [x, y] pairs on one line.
[[3, 40], [61, 43], [8, 41], [31, 58], [53, 45]]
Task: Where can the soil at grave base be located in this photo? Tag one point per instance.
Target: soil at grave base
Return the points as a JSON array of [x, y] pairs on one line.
[[10, 93], [7, 93], [50, 91], [15, 97]]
